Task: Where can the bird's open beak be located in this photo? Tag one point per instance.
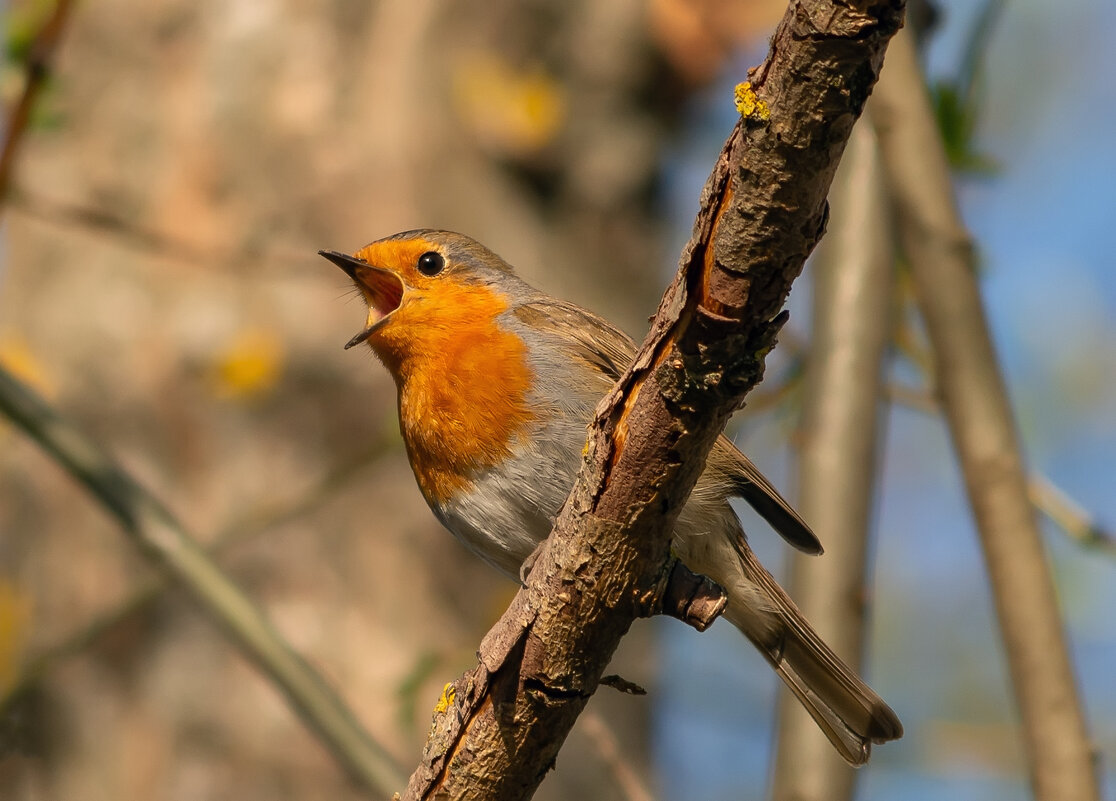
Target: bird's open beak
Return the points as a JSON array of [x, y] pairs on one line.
[[382, 289]]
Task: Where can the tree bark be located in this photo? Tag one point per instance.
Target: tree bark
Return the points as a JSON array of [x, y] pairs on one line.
[[499, 728]]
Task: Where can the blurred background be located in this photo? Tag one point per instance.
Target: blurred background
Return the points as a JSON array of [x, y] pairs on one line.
[[159, 284]]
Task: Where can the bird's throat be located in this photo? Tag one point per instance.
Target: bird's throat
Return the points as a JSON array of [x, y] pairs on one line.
[[463, 385]]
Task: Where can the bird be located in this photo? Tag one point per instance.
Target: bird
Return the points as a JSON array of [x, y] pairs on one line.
[[497, 382]]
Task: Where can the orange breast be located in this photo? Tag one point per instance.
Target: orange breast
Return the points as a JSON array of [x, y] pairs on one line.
[[463, 384]]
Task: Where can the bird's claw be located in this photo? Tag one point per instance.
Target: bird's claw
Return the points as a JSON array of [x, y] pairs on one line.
[[529, 564]]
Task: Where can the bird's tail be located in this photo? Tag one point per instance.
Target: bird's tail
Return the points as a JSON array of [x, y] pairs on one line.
[[846, 709]]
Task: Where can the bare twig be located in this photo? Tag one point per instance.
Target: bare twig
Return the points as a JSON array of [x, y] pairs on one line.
[[762, 212], [1068, 515], [840, 440], [909, 342], [39, 58], [918, 398], [243, 530], [631, 785], [132, 234], [162, 540], [983, 431], [1050, 499], [969, 71]]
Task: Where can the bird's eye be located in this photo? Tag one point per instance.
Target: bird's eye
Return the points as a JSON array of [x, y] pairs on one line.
[[431, 263]]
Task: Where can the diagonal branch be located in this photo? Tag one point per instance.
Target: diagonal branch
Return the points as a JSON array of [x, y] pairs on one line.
[[152, 589], [161, 538], [498, 729]]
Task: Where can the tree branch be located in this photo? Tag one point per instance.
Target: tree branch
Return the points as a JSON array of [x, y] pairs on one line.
[[631, 785], [243, 529], [39, 57], [162, 540], [1067, 514], [497, 730], [840, 441], [984, 436]]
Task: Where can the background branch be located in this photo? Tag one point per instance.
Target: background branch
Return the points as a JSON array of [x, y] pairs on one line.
[[39, 58], [627, 778], [126, 230], [982, 427], [242, 530], [1066, 513], [1069, 516], [162, 540], [839, 443]]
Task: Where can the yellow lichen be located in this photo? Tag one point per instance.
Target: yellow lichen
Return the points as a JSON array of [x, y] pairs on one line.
[[750, 106], [446, 700]]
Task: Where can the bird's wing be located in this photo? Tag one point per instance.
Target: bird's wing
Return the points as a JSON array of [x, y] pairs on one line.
[[749, 483], [590, 338], [597, 342]]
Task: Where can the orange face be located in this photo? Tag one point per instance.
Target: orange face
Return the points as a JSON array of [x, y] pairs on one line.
[[384, 272], [463, 379]]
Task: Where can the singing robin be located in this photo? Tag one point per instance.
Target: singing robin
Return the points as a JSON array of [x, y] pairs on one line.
[[497, 382]]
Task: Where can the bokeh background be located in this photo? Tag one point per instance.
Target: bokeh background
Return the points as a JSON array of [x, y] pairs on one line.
[[158, 283]]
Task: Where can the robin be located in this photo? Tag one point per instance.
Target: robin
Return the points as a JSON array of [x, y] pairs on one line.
[[497, 382]]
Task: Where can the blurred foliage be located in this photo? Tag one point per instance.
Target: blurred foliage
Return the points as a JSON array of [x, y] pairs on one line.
[[23, 24], [249, 365], [957, 120], [959, 102], [409, 689], [510, 111]]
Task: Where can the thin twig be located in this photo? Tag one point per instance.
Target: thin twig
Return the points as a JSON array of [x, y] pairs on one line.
[[1050, 499], [919, 399], [628, 781], [908, 341], [1068, 515], [150, 241], [248, 528], [975, 49], [39, 59], [156, 533]]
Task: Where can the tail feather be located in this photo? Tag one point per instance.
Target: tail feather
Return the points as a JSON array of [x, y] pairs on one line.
[[850, 743], [846, 709]]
